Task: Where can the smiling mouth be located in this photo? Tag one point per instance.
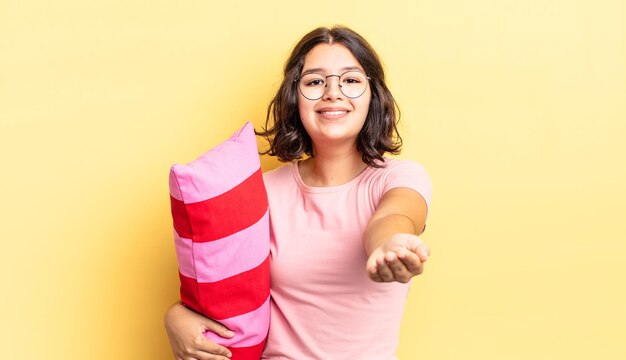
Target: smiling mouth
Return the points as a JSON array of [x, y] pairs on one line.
[[335, 112]]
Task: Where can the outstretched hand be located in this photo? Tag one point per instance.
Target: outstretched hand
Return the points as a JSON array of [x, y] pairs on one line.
[[398, 259]]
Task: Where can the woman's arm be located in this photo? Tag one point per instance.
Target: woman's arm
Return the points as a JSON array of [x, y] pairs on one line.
[[185, 330], [391, 240]]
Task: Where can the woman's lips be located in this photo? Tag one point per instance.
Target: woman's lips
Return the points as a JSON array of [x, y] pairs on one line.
[[333, 113]]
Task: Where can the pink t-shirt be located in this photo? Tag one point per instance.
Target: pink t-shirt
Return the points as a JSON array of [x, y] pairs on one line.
[[323, 304]]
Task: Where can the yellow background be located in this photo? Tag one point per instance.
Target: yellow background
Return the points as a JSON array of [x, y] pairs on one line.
[[516, 108]]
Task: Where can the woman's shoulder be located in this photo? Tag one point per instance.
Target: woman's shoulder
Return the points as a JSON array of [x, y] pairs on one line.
[[278, 175], [402, 173], [392, 165]]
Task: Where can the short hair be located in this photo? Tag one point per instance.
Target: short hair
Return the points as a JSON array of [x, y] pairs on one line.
[[287, 137]]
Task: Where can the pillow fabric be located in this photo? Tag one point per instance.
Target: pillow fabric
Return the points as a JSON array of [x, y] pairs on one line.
[[221, 232]]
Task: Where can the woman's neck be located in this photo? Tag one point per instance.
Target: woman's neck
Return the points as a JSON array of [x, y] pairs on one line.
[[331, 168]]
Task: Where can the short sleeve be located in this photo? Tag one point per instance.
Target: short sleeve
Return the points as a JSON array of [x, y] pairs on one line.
[[409, 174]]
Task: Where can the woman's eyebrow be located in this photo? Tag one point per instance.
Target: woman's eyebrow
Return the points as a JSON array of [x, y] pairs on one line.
[[320, 70]]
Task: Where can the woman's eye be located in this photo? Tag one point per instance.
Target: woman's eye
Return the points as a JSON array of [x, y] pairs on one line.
[[352, 81], [315, 82]]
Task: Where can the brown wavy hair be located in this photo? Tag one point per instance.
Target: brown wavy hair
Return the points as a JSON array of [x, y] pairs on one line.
[[287, 138]]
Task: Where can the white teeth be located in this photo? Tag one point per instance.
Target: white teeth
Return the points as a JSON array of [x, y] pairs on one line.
[[333, 112]]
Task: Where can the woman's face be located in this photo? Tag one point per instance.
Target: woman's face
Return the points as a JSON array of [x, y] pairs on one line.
[[334, 119]]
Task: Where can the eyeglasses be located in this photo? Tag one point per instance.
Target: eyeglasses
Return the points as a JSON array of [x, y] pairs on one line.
[[352, 84]]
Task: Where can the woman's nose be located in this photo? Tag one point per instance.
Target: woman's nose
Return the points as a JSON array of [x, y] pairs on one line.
[[333, 88]]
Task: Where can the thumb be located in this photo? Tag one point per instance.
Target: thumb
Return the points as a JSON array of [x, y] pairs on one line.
[[218, 328]]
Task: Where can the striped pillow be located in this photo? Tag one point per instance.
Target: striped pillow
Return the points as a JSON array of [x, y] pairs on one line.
[[221, 231]]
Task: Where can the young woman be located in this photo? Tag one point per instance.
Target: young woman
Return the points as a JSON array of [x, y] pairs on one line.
[[344, 221]]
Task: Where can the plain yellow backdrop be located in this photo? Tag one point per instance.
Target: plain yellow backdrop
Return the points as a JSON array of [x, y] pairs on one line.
[[516, 108]]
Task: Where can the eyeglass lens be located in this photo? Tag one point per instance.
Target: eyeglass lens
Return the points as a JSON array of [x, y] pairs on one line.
[[352, 84]]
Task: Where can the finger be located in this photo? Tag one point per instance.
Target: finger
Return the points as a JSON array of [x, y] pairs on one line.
[[217, 357], [400, 272], [424, 252], [372, 268], [420, 248], [199, 355], [375, 277], [412, 262], [205, 349], [203, 355], [219, 352], [218, 328], [206, 356], [394, 263], [384, 272]]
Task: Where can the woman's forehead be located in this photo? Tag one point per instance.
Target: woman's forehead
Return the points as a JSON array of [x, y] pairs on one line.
[[327, 58]]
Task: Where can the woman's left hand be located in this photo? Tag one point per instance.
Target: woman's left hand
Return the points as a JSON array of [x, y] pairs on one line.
[[398, 259]]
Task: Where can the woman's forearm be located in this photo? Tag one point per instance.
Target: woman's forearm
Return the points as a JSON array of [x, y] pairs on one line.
[[379, 230]]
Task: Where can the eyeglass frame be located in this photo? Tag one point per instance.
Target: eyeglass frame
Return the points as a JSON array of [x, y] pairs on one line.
[[297, 82]]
